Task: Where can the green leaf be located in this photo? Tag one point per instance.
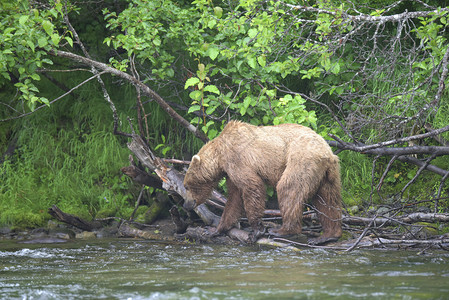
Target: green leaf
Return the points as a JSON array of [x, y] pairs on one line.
[[212, 133], [210, 110], [201, 72], [212, 88], [23, 19], [55, 38], [212, 52], [211, 24], [42, 42], [47, 61], [252, 32], [48, 27], [195, 95], [336, 69], [30, 44], [218, 11], [261, 60], [35, 77], [69, 40], [192, 81], [45, 101], [252, 62], [165, 150], [194, 108], [6, 75], [58, 7], [157, 42]]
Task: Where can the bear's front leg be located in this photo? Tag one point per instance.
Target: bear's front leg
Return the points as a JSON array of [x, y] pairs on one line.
[[233, 208], [254, 196]]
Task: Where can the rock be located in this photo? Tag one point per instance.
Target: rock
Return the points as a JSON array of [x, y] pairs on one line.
[[52, 225], [85, 235], [62, 233], [5, 230], [107, 232], [353, 209], [38, 233], [383, 211]]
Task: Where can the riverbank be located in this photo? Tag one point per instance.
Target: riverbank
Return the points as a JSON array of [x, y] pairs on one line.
[[164, 230], [56, 232]]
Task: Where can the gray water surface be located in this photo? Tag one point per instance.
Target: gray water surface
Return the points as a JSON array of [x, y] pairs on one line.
[[133, 269]]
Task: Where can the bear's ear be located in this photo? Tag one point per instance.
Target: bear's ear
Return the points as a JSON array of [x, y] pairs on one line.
[[196, 158]]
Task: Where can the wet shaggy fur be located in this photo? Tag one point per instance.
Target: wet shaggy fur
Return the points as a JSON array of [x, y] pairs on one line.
[[292, 158]]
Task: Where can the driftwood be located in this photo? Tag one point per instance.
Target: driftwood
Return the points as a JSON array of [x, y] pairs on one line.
[[181, 225], [376, 242], [142, 177], [387, 221], [73, 220], [127, 231]]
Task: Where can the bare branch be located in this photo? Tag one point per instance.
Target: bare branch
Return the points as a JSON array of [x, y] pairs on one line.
[[364, 17], [167, 108], [56, 99], [400, 152]]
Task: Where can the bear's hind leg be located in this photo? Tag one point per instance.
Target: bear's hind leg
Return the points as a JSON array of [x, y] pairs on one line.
[[328, 205], [297, 184], [291, 208]]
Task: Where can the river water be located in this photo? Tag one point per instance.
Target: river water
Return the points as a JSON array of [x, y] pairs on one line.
[[134, 269]]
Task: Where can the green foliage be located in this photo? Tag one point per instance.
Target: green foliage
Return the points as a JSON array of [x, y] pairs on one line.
[[242, 44], [27, 34], [152, 31]]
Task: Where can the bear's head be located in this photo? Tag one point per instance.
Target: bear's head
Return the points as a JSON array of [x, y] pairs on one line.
[[197, 183]]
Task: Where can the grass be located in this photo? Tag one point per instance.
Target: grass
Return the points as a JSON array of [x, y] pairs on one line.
[[78, 172], [68, 156]]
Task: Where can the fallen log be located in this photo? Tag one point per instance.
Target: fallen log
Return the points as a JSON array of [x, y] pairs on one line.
[[73, 220], [375, 242], [387, 221]]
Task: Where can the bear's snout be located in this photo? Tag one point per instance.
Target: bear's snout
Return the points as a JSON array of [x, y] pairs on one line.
[[189, 204], [189, 201]]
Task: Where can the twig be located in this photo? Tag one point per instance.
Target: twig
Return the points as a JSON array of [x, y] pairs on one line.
[[422, 168], [56, 99], [176, 161], [361, 235], [387, 169], [139, 198]]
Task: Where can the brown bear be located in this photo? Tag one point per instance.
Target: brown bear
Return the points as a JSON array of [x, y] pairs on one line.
[[292, 158]]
